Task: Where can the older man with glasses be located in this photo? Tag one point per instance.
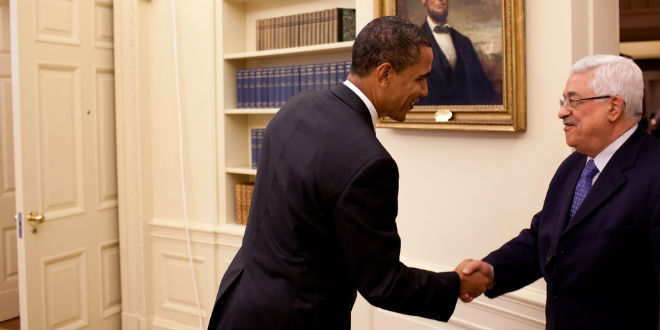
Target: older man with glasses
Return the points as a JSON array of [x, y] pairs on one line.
[[596, 242]]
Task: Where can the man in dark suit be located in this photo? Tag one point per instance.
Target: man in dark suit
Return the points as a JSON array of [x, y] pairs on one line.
[[322, 221], [457, 76], [596, 242]]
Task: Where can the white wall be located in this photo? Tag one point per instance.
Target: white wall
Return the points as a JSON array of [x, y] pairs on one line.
[[462, 194]]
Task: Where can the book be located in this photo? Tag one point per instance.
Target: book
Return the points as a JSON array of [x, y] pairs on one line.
[[345, 24], [251, 89], [240, 88], [254, 154], [238, 198]]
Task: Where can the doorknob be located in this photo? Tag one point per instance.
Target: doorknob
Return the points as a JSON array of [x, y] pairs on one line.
[[35, 218]]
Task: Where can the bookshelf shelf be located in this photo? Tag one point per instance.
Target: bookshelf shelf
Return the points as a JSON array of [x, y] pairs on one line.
[[245, 170], [294, 51], [251, 111], [236, 43]]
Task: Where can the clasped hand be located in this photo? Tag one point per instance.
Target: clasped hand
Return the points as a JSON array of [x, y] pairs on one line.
[[476, 277]]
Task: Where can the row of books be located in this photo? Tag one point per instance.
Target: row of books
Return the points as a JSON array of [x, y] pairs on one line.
[[243, 192], [272, 87], [256, 138], [319, 27]]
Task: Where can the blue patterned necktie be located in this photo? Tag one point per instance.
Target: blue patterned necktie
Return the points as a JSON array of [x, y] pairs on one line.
[[583, 185]]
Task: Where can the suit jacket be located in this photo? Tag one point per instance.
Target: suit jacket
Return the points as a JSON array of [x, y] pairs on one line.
[[466, 84], [322, 225], [602, 268]]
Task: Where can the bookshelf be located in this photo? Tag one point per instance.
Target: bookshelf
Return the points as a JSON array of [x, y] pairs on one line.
[[237, 49]]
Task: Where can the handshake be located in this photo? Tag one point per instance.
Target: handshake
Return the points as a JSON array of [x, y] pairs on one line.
[[476, 277]]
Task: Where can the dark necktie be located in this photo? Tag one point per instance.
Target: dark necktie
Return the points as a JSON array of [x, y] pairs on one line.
[[583, 185], [442, 29]]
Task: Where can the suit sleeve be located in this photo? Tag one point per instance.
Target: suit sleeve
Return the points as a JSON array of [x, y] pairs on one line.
[[516, 263], [655, 240], [365, 224]]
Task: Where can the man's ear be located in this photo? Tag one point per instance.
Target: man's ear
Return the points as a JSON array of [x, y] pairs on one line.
[[617, 106], [383, 72]]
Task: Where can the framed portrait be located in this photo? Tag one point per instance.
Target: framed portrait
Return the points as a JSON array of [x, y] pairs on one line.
[[477, 80]]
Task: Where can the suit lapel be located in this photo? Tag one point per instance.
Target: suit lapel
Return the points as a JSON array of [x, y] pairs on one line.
[[567, 197], [608, 183], [611, 179], [354, 102]]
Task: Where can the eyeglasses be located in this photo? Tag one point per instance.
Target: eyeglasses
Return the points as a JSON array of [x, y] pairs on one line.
[[572, 103]]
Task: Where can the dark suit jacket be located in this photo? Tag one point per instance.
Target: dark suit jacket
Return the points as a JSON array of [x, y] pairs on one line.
[[466, 84], [601, 269], [322, 224]]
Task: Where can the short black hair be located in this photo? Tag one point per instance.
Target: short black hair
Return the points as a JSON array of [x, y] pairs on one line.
[[387, 39]]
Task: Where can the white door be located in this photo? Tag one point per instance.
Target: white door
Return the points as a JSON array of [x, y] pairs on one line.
[[8, 264], [64, 142]]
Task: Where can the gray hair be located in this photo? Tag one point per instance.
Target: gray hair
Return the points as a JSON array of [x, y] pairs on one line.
[[615, 75]]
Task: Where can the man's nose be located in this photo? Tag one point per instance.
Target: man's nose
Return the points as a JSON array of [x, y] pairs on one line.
[[425, 88], [563, 112]]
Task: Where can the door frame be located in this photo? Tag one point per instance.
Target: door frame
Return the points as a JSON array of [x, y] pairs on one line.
[[129, 56]]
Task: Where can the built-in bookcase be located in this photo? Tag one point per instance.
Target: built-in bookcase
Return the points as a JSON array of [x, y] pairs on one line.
[[237, 45]]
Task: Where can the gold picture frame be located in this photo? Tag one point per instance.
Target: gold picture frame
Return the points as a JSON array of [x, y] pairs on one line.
[[509, 80]]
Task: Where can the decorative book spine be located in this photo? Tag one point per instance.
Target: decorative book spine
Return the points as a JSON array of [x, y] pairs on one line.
[[296, 80], [249, 188], [280, 93], [244, 212], [254, 145], [288, 84], [260, 140], [346, 22], [325, 76], [240, 91], [238, 189], [318, 77], [252, 90], [332, 74]]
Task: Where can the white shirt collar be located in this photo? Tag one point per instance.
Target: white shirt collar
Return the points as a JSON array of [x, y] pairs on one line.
[[604, 156], [365, 99]]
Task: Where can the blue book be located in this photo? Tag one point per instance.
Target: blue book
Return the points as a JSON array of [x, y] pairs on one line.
[[339, 76], [280, 94], [325, 76], [260, 88], [295, 78], [288, 81], [332, 75], [251, 101], [307, 77], [260, 139], [318, 77], [254, 142], [269, 88], [240, 91]]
